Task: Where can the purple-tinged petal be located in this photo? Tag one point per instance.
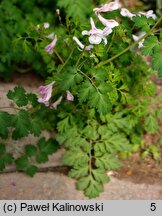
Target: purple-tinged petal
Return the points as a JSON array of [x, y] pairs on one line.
[[49, 48], [126, 13], [69, 96], [95, 39], [56, 103], [108, 7], [148, 14], [92, 23], [107, 31], [108, 22], [89, 47], [45, 93]]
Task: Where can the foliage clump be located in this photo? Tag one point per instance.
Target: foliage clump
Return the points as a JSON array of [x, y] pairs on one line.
[[97, 98]]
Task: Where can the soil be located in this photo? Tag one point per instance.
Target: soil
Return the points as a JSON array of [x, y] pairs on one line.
[[141, 171]]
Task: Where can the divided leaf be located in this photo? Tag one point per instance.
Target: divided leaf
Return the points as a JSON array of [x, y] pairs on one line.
[[5, 157], [75, 157], [22, 163], [85, 91], [21, 123], [101, 102], [5, 122], [18, 95], [157, 63], [151, 45]]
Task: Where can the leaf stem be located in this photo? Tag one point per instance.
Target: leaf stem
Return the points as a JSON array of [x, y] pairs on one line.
[[130, 46], [80, 57], [89, 79], [65, 63], [58, 56], [112, 39]]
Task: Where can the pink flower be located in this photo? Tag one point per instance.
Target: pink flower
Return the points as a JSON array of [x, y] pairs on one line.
[[97, 35], [69, 96], [81, 45], [108, 22], [46, 93], [49, 48], [56, 103], [126, 13], [108, 7], [148, 14]]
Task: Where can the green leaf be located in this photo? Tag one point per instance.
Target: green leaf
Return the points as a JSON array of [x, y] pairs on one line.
[[70, 78], [30, 150], [78, 172], [105, 88], [5, 122], [141, 22], [7, 158], [151, 44], [75, 157], [21, 123], [63, 125], [22, 162], [117, 141], [85, 91], [100, 175], [107, 161], [2, 148], [76, 9], [18, 95], [32, 98], [48, 147], [31, 170], [90, 132], [100, 75], [42, 157], [2, 164], [36, 125], [83, 183], [157, 63], [104, 131], [151, 124], [94, 189], [101, 102]]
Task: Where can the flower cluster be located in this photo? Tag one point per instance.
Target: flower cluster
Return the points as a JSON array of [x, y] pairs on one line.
[[97, 35], [46, 94]]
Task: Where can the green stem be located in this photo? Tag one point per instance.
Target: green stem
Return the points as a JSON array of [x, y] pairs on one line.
[[132, 45], [90, 161], [66, 61], [82, 63], [89, 79], [58, 56], [112, 39], [80, 57]]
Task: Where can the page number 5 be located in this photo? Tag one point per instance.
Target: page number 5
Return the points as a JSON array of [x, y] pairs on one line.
[[153, 207]]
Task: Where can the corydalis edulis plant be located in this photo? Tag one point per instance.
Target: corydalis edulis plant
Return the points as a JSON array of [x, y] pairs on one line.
[[108, 80], [96, 99]]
